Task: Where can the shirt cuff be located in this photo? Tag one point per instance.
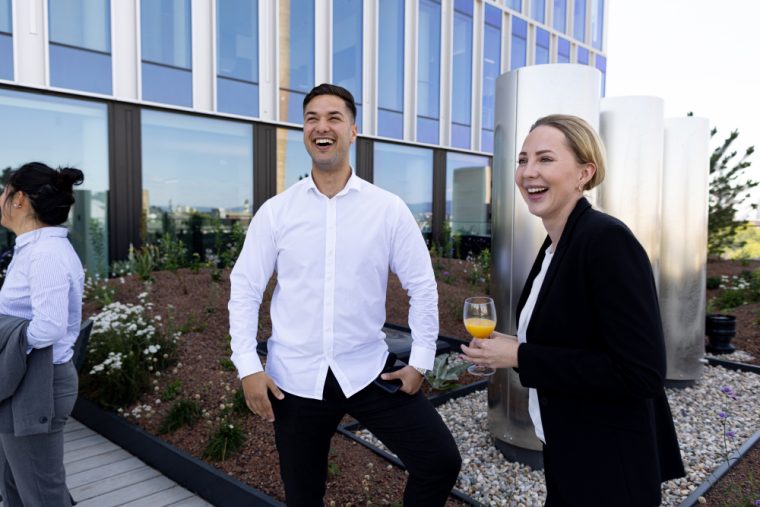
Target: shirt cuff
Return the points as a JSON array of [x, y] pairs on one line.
[[247, 364], [422, 357]]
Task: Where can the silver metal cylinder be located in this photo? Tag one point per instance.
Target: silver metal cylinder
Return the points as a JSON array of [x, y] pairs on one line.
[[523, 96], [633, 131], [684, 245]]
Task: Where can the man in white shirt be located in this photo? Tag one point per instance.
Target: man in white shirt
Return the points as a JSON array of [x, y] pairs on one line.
[[331, 238]]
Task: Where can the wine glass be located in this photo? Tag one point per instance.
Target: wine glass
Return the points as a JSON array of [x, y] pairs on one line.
[[480, 321]]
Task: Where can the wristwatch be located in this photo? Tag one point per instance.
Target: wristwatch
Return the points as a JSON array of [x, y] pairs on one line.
[[421, 371]]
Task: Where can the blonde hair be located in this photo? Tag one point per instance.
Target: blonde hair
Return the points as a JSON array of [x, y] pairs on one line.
[[582, 139]]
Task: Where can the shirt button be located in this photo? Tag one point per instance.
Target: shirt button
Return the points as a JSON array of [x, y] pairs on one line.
[[43, 419]]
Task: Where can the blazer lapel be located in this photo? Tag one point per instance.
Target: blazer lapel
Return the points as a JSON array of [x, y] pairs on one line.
[[559, 252]]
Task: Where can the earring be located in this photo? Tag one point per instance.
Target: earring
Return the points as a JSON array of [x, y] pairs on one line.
[[16, 205]]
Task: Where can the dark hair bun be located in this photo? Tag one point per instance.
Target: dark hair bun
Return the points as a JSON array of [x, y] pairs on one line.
[[67, 177], [50, 191]]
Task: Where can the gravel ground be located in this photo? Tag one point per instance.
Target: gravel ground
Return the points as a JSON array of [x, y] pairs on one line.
[[713, 419]]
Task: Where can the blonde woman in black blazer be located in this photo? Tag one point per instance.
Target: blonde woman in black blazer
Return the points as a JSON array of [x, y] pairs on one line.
[[592, 350]]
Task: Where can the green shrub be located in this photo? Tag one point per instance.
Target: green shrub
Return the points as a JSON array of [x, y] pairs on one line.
[[446, 372], [729, 299], [98, 290], [144, 261], [239, 405], [226, 364], [713, 282], [127, 348], [182, 413], [172, 390], [172, 253], [227, 440]]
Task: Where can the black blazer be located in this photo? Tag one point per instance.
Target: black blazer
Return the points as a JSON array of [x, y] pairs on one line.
[[595, 352]]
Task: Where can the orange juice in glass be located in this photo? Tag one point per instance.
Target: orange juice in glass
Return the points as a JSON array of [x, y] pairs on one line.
[[480, 321]]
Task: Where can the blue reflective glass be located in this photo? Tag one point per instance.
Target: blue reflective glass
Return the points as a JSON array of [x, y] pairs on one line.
[[196, 172], [491, 70], [515, 5], [582, 55], [542, 46], [167, 85], [165, 32], [81, 23], [427, 130], [75, 133], [579, 20], [486, 140], [519, 43], [347, 48], [6, 24], [428, 71], [293, 161], [563, 50], [237, 29], [463, 6], [597, 22], [461, 83], [468, 194], [493, 16], [601, 64], [6, 56], [237, 97], [538, 10], [559, 16], [390, 123], [80, 69], [391, 56], [296, 57], [291, 106], [407, 172], [460, 136]]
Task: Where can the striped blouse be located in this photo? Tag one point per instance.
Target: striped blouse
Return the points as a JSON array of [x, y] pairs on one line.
[[44, 284]]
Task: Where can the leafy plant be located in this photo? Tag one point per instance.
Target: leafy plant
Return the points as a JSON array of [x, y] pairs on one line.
[[127, 347], [239, 405], [182, 413], [172, 390], [446, 372], [729, 299], [224, 442], [231, 252], [226, 364], [144, 261], [172, 253], [479, 269], [713, 282], [98, 290]]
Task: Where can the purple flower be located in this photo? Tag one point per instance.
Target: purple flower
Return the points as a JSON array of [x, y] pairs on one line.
[[722, 415], [731, 434], [445, 273], [727, 390], [757, 502]]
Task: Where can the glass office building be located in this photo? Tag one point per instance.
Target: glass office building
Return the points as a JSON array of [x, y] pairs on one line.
[[185, 115]]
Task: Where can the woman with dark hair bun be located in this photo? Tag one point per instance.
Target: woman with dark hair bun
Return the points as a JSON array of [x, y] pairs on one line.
[[43, 289]]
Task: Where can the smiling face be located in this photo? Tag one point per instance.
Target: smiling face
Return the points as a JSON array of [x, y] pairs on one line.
[[549, 176], [328, 131]]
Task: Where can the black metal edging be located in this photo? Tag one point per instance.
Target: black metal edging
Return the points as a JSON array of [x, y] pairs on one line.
[[733, 365], [459, 495], [718, 473], [208, 482]]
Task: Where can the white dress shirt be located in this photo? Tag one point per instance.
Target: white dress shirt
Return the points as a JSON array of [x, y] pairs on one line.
[[522, 330], [332, 257], [44, 284]]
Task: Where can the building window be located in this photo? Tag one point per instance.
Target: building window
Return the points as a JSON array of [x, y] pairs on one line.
[[197, 178], [579, 20], [563, 50], [597, 22], [75, 133], [559, 15], [6, 40], [237, 38], [491, 71], [519, 43], [293, 161], [390, 107], [80, 45], [429, 72], [347, 50], [468, 194], [515, 5], [582, 55], [538, 10], [296, 57], [542, 46], [461, 82], [166, 52], [601, 63], [407, 171]]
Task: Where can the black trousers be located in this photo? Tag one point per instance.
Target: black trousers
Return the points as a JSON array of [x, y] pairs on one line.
[[408, 425]]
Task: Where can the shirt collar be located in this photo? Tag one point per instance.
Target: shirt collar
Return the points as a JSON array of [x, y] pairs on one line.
[[42, 232], [354, 183]]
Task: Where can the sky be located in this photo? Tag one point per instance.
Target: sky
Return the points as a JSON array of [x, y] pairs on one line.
[[698, 55]]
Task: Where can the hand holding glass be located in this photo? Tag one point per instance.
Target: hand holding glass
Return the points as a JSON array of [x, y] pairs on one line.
[[480, 321]]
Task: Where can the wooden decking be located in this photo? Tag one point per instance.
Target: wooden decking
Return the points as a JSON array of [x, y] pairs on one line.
[[101, 474]]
